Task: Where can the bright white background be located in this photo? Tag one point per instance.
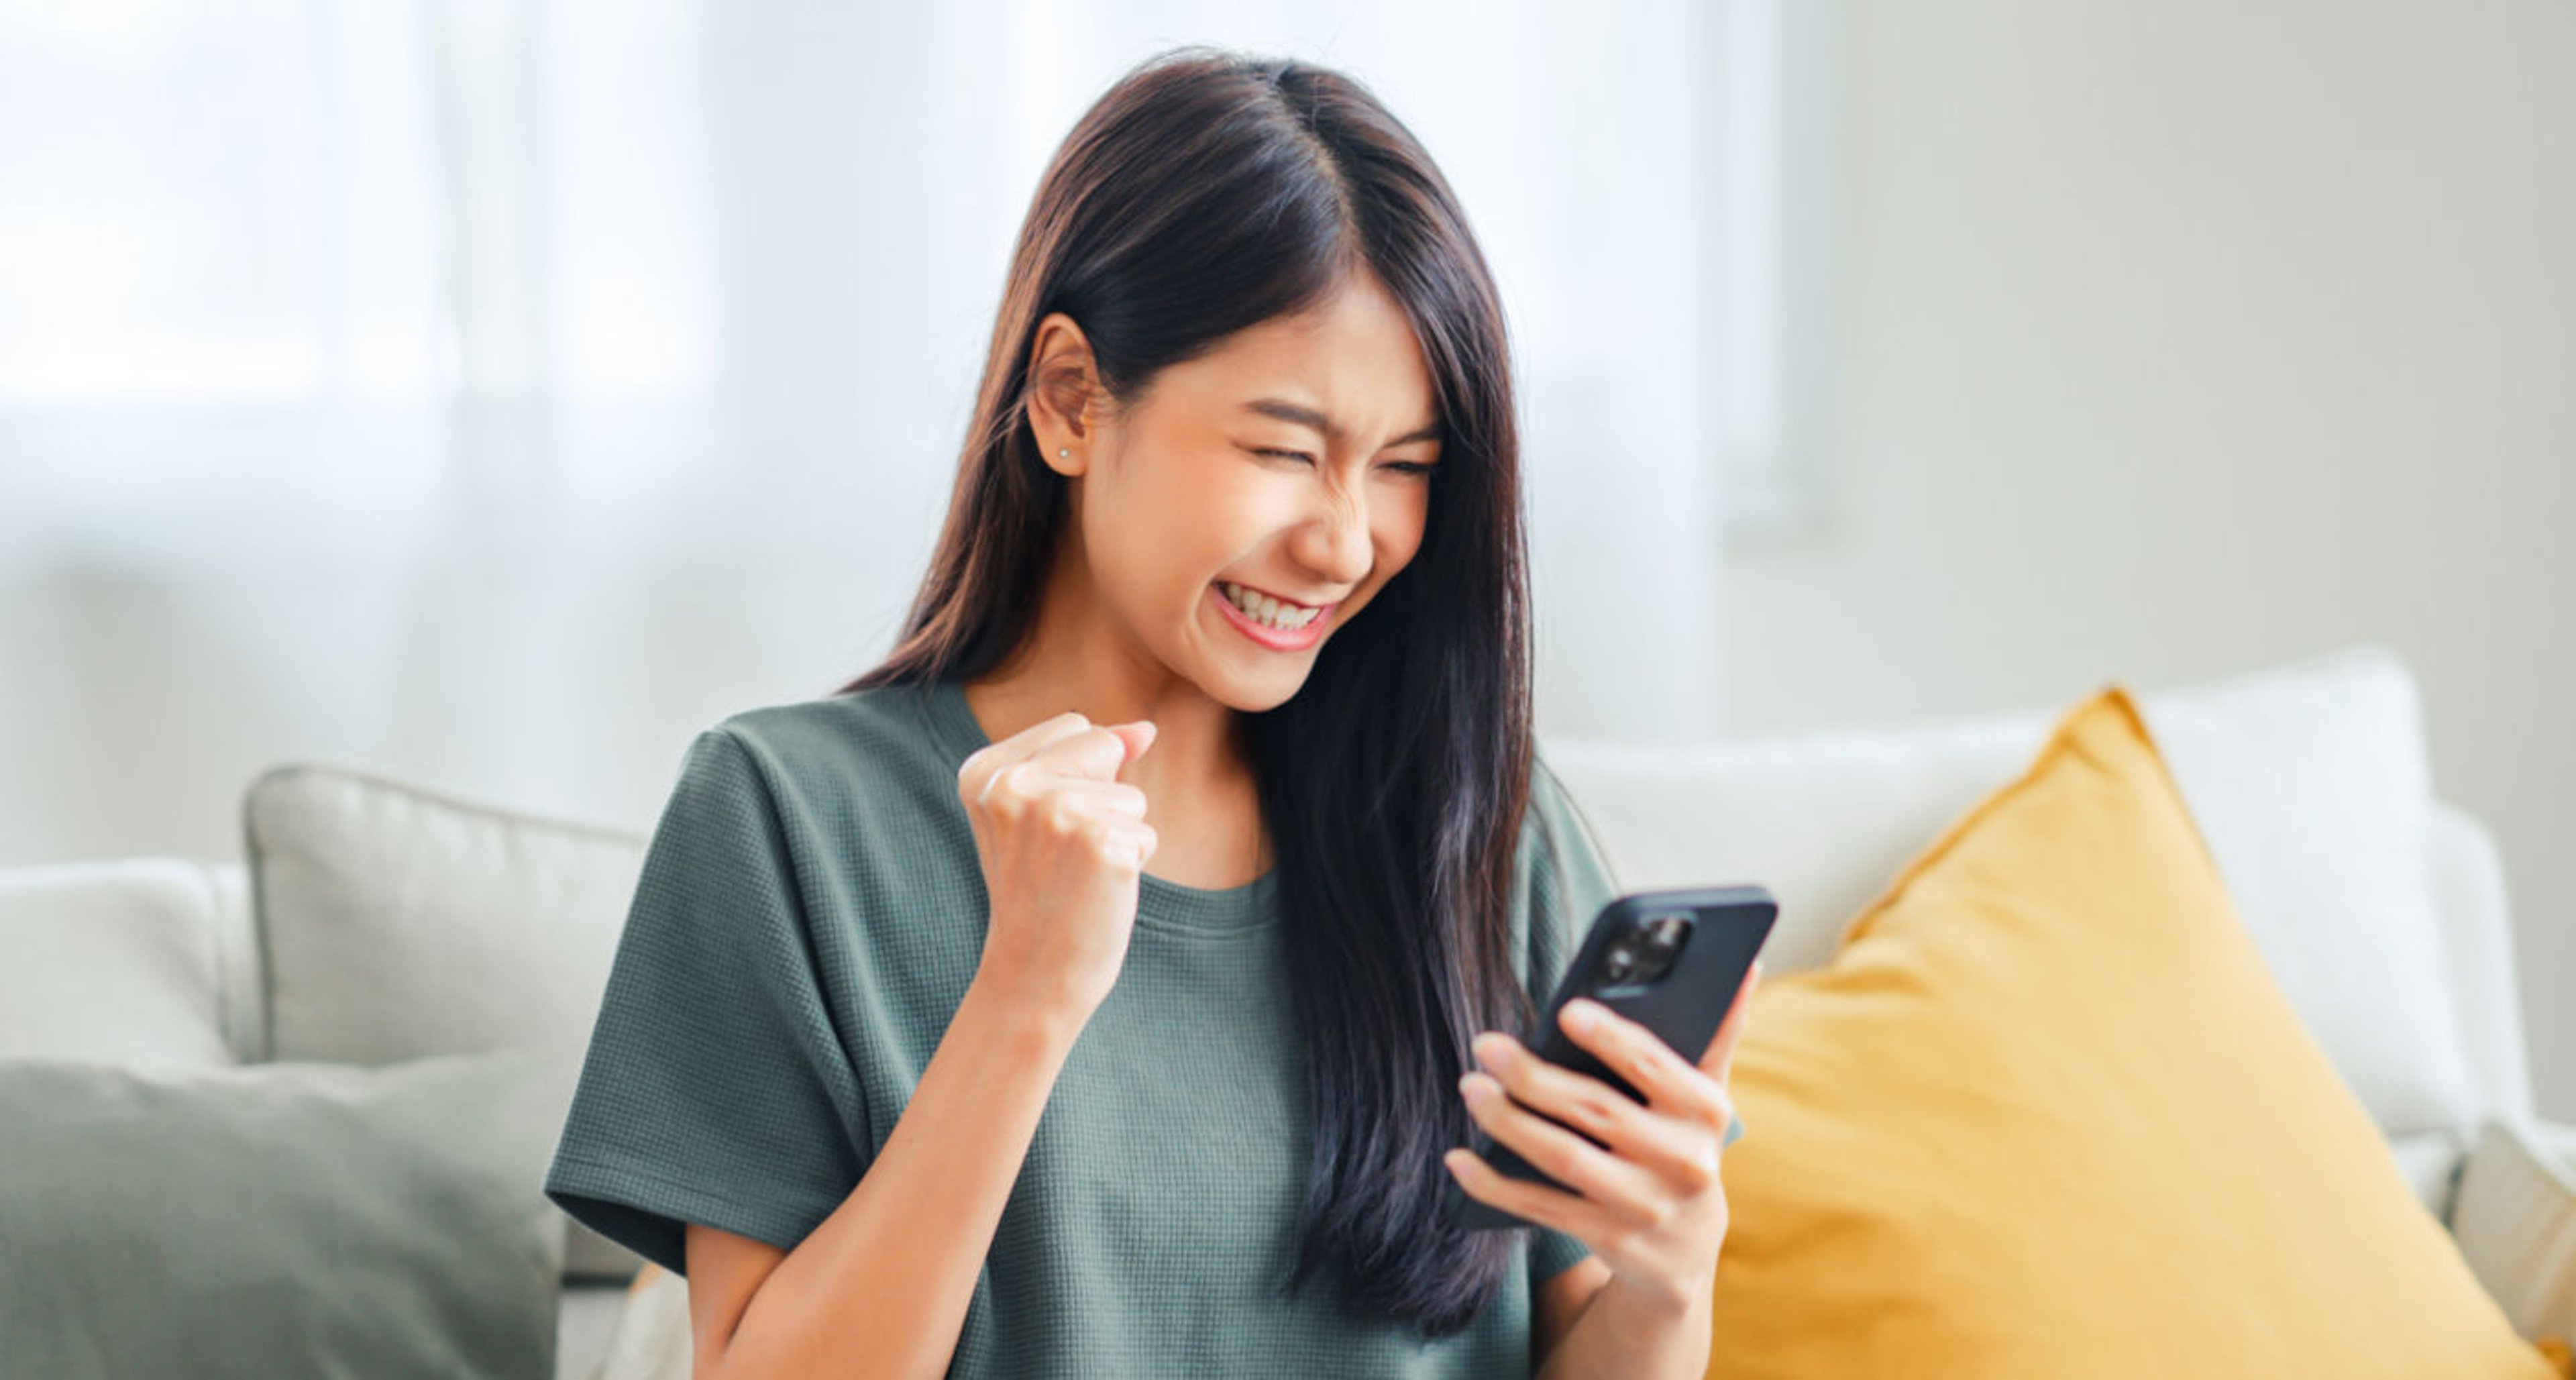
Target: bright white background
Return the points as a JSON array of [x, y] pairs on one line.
[[494, 394]]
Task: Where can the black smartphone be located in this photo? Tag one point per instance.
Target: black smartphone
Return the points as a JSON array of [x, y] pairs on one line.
[[1672, 961]]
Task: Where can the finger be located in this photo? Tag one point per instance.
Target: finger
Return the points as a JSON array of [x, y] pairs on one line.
[[976, 774], [1656, 1143], [1549, 1207], [1138, 839], [1137, 736], [1670, 1083], [1097, 753], [1113, 797], [1719, 1061], [1039, 736], [1619, 1187]]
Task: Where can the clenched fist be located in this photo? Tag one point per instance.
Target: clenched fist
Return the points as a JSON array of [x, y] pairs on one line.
[[1062, 842]]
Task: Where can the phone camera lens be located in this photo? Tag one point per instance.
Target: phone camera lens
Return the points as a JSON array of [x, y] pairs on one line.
[[1619, 962]]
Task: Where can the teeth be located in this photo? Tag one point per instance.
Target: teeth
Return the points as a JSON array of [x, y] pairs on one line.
[[1264, 609]]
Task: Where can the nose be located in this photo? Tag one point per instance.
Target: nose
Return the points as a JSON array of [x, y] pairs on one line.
[[1335, 543]]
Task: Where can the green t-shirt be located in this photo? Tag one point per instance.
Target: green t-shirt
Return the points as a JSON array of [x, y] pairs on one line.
[[809, 913]]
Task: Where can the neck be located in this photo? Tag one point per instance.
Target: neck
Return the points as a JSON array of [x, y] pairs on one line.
[[1080, 657]]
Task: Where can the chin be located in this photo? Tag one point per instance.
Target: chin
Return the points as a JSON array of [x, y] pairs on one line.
[[1256, 694]]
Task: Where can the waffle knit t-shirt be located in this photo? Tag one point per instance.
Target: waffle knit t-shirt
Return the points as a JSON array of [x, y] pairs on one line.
[[810, 910]]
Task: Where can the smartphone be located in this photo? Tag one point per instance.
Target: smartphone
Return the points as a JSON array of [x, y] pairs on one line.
[[1671, 961]]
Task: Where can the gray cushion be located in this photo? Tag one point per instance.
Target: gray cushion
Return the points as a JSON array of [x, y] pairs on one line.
[[281, 1220]]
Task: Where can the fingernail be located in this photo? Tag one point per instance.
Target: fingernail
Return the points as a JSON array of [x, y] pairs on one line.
[[1493, 1051], [1471, 1086], [1581, 1014]]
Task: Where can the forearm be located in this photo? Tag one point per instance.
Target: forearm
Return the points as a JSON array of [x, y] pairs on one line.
[[1627, 1332], [881, 1287]]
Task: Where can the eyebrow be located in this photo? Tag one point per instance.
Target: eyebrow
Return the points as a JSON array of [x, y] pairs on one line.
[[1332, 431]]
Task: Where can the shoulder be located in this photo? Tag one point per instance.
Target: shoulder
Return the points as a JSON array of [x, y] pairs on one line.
[[1553, 826], [830, 753], [1564, 877], [875, 725], [847, 803], [1546, 815], [1549, 804]]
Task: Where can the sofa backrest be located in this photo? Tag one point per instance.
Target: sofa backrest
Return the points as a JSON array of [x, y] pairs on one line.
[[2477, 934], [2381, 908]]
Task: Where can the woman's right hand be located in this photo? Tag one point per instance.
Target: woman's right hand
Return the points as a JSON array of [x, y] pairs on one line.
[[1062, 842]]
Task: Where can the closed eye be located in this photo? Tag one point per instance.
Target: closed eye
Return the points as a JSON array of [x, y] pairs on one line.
[[1405, 466]]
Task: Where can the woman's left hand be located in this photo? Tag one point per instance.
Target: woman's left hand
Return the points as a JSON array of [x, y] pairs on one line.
[[1650, 1204]]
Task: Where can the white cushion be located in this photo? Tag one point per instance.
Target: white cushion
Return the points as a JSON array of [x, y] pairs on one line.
[[119, 962], [2309, 780], [2314, 788], [398, 923]]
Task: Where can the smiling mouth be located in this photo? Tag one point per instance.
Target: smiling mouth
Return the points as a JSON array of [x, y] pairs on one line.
[[1267, 635], [1270, 611]]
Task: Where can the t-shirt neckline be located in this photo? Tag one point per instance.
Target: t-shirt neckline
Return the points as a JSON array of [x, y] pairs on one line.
[[1159, 902]]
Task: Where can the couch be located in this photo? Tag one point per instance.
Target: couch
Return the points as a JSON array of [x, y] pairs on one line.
[[368, 919]]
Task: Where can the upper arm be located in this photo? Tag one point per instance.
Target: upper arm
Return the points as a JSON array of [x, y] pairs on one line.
[[1561, 1298], [725, 1270], [716, 1088]]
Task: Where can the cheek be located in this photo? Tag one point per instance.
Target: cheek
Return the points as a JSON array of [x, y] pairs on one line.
[[1159, 509], [1227, 518], [1396, 531]]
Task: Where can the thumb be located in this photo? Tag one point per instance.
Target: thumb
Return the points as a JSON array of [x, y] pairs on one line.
[[1138, 736]]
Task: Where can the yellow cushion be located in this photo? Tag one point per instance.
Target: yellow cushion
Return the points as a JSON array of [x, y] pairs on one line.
[[2046, 1114]]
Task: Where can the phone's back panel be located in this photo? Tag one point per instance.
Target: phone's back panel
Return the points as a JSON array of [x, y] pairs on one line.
[[1685, 1006]]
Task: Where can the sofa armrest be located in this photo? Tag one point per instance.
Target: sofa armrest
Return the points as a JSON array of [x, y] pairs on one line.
[[2515, 1222]]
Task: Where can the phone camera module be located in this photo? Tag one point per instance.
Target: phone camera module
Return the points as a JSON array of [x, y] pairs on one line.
[[1645, 952], [1661, 940]]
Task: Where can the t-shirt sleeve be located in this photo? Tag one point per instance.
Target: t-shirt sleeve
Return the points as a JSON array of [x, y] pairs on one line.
[[1570, 881], [715, 1088]]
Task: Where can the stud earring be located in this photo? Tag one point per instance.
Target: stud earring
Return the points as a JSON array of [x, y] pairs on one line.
[[1067, 454]]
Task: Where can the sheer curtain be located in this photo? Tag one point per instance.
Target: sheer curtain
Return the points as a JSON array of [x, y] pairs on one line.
[[489, 395]]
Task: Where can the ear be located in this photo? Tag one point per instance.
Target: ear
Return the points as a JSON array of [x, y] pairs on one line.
[[1062, 391]]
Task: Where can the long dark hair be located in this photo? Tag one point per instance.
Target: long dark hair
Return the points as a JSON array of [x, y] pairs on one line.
[[1204, 193]]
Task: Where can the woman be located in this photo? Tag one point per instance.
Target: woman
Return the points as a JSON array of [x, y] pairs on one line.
[[907, 1061]]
